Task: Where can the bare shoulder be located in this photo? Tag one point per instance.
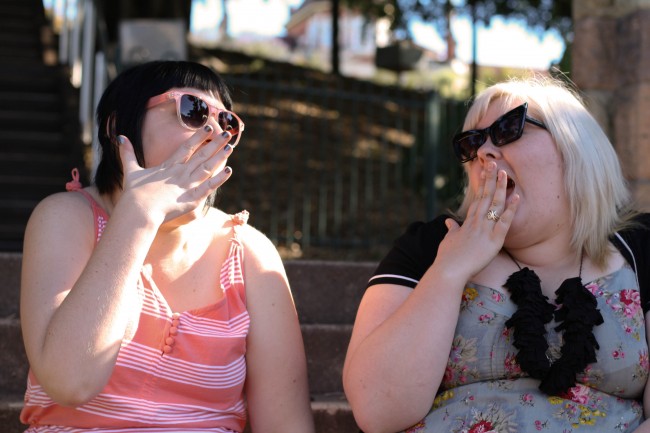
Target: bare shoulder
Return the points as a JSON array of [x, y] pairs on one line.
[[258, 248], [260, 254], [266, 278], [61, 216], [62, 204]]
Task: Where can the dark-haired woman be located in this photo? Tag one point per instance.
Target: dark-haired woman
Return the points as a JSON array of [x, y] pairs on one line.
[[525, 311], [143, 307]]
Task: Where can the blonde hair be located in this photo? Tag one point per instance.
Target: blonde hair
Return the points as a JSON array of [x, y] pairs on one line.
[[597, 192]]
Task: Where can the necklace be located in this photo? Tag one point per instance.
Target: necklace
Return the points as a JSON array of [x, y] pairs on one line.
[[576, 316]]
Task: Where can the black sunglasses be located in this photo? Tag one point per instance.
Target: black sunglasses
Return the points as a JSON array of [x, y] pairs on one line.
[[193, 113], [504, 130]]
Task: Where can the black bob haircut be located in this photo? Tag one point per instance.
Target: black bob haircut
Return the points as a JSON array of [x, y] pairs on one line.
[[122, 108]]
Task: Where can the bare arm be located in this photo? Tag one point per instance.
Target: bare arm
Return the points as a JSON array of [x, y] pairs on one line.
[[276, 385], [645, 427], [401, 339], [76, 299], [399, 349]]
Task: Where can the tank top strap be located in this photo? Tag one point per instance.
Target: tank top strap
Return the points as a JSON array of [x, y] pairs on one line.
[[99, 214], [232, 273], [239, 219]]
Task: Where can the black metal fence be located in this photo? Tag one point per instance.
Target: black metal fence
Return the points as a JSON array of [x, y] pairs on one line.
[[335, 168]]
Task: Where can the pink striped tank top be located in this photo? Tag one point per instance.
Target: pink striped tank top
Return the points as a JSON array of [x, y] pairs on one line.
[[181, 372]]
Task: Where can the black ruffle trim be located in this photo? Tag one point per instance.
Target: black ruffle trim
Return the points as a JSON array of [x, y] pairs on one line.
[[528, 321], [578, 315]]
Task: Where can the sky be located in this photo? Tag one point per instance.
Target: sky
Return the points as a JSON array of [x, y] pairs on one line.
[[504, 43], [268, 17]]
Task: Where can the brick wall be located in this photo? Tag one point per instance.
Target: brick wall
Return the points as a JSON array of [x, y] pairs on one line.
[[611, 65]]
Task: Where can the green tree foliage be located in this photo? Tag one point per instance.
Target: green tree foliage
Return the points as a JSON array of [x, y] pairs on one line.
[[540, 15]]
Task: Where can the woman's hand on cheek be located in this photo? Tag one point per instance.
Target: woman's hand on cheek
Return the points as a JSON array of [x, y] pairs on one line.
[[471, 247], [181, 183]]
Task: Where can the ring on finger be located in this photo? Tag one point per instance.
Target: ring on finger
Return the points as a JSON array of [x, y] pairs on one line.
[[492, 215]]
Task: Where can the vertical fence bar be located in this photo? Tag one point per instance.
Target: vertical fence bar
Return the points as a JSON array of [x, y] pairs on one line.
[[87, 73], [383, 161], [308, 147], [290, 141], [430, 148], [322, 155], [368, 181], [355, 153], [338, 172], [259, 96], [242, 98], [277, 141], [98, 89], [412, 157], [75, 45], [64, 33], [398, 181], [307, 182]]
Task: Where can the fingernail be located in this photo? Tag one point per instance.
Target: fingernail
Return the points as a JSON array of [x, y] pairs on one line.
[[225, 134], [120, 139], [207, 128], [228, 170], [228, 148]]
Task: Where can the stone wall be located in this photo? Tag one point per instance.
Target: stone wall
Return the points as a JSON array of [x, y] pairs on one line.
[[611, 65]]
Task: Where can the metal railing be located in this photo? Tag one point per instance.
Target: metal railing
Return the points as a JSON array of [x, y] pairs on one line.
[[83, 47], [335, 167], [330, 167]]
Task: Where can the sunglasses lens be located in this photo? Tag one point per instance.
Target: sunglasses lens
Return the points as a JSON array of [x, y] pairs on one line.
[[509, 128], [228, 122], [467, 143], [193, 111]]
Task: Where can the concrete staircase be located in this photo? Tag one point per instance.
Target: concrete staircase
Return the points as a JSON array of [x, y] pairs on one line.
[[39, 127], [327, 295]]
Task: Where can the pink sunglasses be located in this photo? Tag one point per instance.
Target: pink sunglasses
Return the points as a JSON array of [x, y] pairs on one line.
[[193, 113]]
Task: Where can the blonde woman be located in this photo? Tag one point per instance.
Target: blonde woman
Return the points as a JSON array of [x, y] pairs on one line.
[[524, 311]]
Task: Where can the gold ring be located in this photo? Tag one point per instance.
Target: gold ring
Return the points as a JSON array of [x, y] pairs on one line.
[[492, 215]]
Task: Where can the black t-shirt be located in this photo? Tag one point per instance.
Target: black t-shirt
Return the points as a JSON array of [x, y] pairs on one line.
[[414, 252]]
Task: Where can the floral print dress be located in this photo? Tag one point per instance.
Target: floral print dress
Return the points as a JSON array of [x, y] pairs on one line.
[[484, 390]]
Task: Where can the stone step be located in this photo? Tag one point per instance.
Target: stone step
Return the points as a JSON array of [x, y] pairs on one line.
[[17, 25], [10, 407], [12, 119], [10, 263], [26, 40], [13, 163], [30, 79], [12, 358], [11, 236], [325, 292], [33, 141], [31, 187], [325, 347], [331, 412], [328, 291], [46, 101], [8, 54]]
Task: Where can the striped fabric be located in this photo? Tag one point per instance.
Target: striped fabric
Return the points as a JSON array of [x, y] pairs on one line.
[[181, 372]]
